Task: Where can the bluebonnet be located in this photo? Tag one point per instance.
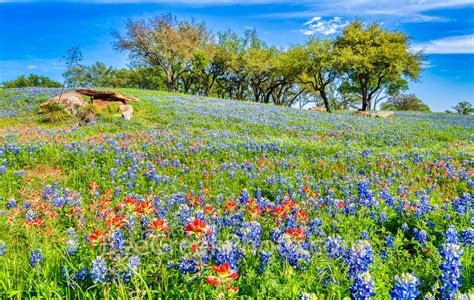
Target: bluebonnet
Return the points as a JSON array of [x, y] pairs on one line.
[[463, 204], [133, 263], [383, 217], [30, 215], [452, 235], [3, 248], [423, 207], [293, 252], [365, 235], [334, 247], [263, 260], [71, 243], [405, 228], [467, 237], [187, 265], [363, 287], [365, 195], [451, 276], [36, 257], [386, 196], [314, 227], [117, 240], [11, 204], [405, 287], [228, 252], [82, 274], [99, 271], [359, 258], [250, 233], [275, 234], [389, 242], [421, 236]]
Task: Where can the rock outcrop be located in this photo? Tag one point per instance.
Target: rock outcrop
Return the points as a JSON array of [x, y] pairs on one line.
[[318, 109], [69, 101], [106, 95], [127, 112], [102, 99]]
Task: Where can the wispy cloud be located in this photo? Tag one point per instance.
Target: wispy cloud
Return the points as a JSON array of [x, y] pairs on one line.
[[32, 67], [460, 44], [399, 11], [317, 25]]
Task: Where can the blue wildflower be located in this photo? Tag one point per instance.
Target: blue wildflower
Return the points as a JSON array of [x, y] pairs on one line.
[[36, 257], [117, 240], [390, 242], [405, 287], [134, 263], [187, 265], [263, 260], [452, 235], [334, 247], [3, 248], [11, 204], [359, 258], [467, 237], [71, 243], [451, 276], [99, 271], [421, 236], [363, 286]]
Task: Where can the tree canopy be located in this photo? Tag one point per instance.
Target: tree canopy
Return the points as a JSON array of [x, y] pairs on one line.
[[31, 81]]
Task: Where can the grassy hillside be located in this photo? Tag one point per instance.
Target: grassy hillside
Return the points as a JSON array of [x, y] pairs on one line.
[[296, 202]]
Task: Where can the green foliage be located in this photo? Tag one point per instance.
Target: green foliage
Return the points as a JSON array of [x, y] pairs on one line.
[[405, 102], [373, 57], [31, 81], [55, 113], [463, 108]]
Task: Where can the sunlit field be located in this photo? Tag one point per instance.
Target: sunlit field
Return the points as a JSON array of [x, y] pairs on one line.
[[209, 198]]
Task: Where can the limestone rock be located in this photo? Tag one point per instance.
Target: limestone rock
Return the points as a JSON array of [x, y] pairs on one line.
[[70, 101], [127, 111], [127, 115], [384, 114], [318, 109], [106, 95], [362, 113]]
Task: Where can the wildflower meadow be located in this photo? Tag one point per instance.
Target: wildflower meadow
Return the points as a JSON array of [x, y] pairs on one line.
[[203, 198]]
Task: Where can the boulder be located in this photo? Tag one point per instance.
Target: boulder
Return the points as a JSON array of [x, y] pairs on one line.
[[384, 114], [362, 113], [100, 103], [70, 101], [318, 109], [127, 112], [127, 115], [124, 108], [106, 95]]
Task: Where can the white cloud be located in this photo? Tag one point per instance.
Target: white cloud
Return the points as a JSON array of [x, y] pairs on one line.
[[32, 67], [314, 19], [459, 44], [318, 25], [399, 11]]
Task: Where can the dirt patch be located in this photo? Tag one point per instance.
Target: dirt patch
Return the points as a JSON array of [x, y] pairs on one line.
[[43, 172]]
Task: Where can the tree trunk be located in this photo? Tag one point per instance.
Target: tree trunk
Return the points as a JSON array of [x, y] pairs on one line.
[[169, 82], [323, 95]]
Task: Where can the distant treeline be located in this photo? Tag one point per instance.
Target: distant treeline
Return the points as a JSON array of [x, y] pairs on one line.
[[363, 66]]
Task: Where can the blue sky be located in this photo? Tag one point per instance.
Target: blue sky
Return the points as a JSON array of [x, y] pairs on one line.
[[35, 34]]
